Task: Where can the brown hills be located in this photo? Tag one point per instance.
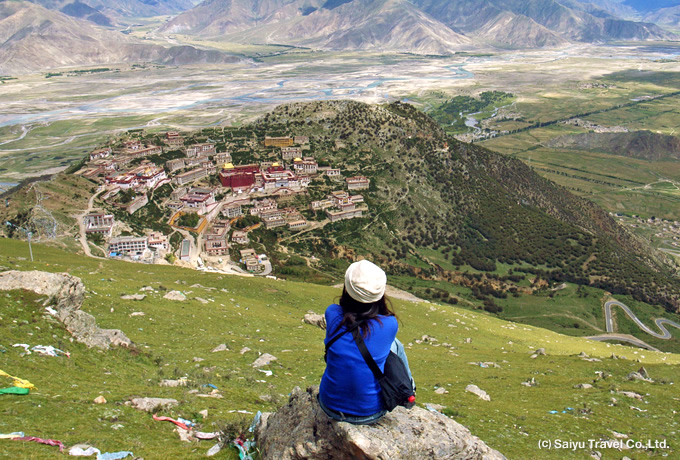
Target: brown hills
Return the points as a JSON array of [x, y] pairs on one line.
[[33, 38]]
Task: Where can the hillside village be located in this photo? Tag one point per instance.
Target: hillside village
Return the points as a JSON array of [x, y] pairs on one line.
[[215, 194]]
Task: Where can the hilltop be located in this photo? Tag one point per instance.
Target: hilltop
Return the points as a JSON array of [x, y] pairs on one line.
[[444, 205], [449, 347]]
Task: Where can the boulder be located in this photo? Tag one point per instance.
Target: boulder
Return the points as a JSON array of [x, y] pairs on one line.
[[175, 295], [638, 376], [66, 294], [264, 360], [152, 404], [631, 394], [643, 372], [530, 383], [583, 386], [220, 347], [315, 320], [133, 297], [173, 383], [474, 389], [301, 430]]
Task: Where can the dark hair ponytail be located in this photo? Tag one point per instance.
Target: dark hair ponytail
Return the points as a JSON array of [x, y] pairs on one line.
[[354, 311]]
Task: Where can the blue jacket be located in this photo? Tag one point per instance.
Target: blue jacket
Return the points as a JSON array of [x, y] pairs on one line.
[[348, 385]]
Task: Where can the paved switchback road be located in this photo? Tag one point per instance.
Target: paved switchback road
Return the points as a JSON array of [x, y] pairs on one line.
[[611, 335], [658, 321]]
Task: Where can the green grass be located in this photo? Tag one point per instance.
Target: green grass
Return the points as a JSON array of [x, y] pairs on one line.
[[265, 315]]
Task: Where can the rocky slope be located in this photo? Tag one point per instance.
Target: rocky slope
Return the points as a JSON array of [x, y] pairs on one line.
[[666, 16]]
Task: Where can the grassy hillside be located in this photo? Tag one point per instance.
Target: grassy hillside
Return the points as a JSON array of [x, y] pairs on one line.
[[433, 198], [265, 316]]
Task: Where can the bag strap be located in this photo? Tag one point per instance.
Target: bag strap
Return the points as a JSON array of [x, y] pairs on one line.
[[338, 335], [367, 355]]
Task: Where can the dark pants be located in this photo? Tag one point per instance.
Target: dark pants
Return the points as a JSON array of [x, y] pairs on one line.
[[354, 419]]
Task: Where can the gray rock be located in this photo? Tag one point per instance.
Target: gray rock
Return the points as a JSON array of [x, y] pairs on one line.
[[175, 295], [301, 430], [220, 347], [66, 294], [638, 376], [264, 360], [583, 386], [315, 320], [152, 404], [478, 391], [631, 394], [202, 300], [540, 352], [173, 383], [133, 297]]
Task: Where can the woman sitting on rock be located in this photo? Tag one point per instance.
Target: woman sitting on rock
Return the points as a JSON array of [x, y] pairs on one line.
[[349, 391]]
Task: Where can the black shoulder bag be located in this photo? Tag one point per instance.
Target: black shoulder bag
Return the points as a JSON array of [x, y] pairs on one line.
[[394, 381]]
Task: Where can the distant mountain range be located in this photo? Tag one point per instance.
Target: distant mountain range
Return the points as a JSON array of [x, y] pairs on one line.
[[33, 38], [435, 26], [45, 34], [118, 8]]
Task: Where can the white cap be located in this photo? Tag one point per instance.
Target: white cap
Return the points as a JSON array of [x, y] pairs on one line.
[[365, 281]]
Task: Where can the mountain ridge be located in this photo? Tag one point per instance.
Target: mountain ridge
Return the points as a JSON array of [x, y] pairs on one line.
[[423, 26], [33, 38]]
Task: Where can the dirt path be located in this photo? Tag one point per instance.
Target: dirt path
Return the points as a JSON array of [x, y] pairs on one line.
[[81, 224]]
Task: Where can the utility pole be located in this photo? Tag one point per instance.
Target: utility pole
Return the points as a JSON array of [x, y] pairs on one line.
[[30, 249], [28, 234]]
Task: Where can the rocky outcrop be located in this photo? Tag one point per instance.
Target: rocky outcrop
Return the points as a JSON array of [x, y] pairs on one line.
[[301, 430], [65, 293]]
